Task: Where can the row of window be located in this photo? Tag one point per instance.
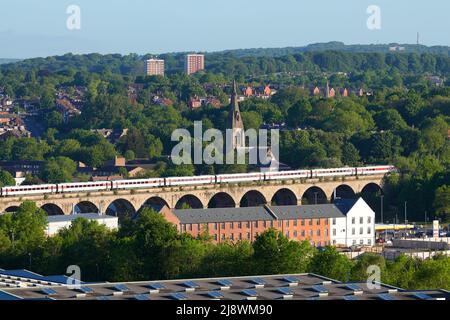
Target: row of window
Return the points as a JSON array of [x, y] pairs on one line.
[[256, 224], [361, 220], [361, 231], [247, 236]]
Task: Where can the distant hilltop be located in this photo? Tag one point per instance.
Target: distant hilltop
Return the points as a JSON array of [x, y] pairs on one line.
[[340, 46], [4, 61]]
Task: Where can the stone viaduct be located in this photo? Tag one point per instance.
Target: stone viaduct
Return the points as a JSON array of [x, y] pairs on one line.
[[115, 202]]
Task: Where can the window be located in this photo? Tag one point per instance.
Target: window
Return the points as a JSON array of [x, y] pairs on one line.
[[248, 235], [354, 242], [303, 222], [369, 230], [240, 225], [255, 224], [326, 222], [369, 242], [265, 224], [295, 223], [303, 233], [318, 222], [310, 233], [334, 221], [295, 234], [361, 242], [232, 236], [216, 225], [353, 231], [248, 224], [240, 236], [310, 222], [361, 220], [369, 220], [287, 223], [361, 230], [223, 225], [334, 232], [223, 236], [231, 225], [318, 233], [353, 220]]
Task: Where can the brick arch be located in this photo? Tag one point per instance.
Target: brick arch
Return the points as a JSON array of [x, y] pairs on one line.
[[154, 202], [222, 200], [284, 197], [86, 206], [120, 207], [343, 191], [52, 209], [253, 198], [191, 200], [312, 194]]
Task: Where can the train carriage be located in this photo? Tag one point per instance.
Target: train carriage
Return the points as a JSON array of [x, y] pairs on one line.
[[138, 183], [334, 172], [240, 177], [373, 170], [287, 175], [24, 190], [186, 181], [84, 186]]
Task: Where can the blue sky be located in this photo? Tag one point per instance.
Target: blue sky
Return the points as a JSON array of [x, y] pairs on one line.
[[30, 28]]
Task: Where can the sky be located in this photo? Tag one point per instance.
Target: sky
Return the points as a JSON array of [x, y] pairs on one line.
[[30, 28]]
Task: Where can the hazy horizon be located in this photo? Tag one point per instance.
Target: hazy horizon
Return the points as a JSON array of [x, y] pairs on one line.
[[39, 29]]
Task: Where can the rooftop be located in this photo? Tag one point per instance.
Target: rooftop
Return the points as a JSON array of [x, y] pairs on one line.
[[271, 287]]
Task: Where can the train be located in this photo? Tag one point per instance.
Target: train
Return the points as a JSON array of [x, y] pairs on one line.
[[192, 181]]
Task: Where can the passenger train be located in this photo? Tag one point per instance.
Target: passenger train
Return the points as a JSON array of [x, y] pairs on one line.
[[191, 181]]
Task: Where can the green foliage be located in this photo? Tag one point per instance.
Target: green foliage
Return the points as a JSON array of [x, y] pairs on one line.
[[6, 179], [332, 264], [59, 169]]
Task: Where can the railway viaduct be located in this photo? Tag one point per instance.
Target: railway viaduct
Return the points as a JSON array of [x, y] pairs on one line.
[[119, 202]]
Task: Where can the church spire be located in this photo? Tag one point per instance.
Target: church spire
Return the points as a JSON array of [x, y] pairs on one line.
[[235, 122]]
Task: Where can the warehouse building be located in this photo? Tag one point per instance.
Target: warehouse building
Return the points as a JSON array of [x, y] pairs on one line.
[[271, 287], [344, 222]]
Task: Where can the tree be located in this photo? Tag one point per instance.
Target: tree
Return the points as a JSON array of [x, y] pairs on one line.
[[359, 270], [6, 179], [390, 119], [28, 225], [350, 155], [442, 202], [332, 264], [59, 169], [276, 254], [433, 273]]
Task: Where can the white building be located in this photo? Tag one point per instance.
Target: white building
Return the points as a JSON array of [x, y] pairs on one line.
[[56, 223], [356, 226]]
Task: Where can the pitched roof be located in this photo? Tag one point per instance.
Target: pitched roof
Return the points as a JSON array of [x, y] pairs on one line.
[[261, 213]]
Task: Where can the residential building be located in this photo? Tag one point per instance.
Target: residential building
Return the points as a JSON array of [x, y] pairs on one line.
[[194, 63], [155, 67]]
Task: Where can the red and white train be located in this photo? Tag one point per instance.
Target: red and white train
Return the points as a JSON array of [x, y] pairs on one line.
[[192, 181]]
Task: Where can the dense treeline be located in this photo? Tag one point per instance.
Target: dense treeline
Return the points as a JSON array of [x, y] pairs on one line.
[[149, 247]]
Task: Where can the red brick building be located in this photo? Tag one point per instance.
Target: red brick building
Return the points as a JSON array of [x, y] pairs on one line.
[[299, 223]]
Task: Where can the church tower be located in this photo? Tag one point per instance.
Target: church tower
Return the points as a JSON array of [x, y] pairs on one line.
[[235, 122]]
